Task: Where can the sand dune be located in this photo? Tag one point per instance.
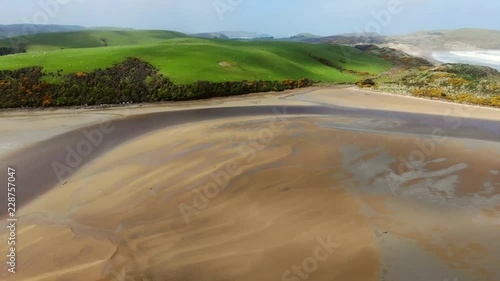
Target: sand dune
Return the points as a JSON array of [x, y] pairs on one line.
[[321, 193]]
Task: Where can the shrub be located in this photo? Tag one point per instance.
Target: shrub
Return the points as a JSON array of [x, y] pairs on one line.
[[10, 51], [495, 101], [432, 93], [366, 83], [458, 82], [130, 81], [470, 72]]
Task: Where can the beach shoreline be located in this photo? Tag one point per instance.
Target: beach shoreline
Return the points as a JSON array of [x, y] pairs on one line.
[[34, 125], [290, 169]]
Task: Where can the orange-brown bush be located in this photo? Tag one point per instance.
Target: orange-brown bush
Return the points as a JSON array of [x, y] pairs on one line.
[[130, 81], [433, 93]]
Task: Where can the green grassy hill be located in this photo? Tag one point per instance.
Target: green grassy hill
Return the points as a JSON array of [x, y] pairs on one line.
[[91, 39], [210, 35], [11, 30], [185, 59]]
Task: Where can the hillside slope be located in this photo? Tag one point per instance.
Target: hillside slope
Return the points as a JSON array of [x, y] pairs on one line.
[[12, 30], [185, 59], [457, 39], [422, 43], [90, 39]]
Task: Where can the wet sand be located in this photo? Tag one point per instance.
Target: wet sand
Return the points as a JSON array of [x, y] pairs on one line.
[[252, 192]]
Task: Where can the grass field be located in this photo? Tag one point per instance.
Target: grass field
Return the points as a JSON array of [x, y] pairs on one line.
[[185, 59], [90, 39]]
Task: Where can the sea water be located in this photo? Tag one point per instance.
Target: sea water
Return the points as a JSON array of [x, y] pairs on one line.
[[489, 58]]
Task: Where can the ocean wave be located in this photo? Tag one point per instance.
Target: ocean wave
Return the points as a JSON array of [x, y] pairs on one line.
[[489, 58]]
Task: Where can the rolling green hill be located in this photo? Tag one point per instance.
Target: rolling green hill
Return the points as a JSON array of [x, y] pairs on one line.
[[210, 35], [90, 39], [185, 59], [11, 30]]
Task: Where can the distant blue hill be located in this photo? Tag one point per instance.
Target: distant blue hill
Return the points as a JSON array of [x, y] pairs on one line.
[[13, 30]]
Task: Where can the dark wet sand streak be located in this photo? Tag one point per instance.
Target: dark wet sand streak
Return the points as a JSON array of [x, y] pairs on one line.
[[35, 174]]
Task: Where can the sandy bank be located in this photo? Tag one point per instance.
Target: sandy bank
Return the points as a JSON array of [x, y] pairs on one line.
[[170, 206], [252, 189]]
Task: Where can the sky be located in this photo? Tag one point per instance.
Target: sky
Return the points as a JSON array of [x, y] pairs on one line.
[[280, 18]]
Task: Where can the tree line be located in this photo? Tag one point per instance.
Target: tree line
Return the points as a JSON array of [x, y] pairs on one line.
[[10, 51], [133, 81]]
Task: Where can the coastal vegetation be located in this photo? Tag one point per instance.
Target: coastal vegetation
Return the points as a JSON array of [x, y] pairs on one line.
[[186, 59], [104, 67], [131, 81], [10, 51], [462, 83]]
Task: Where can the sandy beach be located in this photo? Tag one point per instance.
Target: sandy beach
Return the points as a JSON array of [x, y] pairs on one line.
[[316, 184]]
